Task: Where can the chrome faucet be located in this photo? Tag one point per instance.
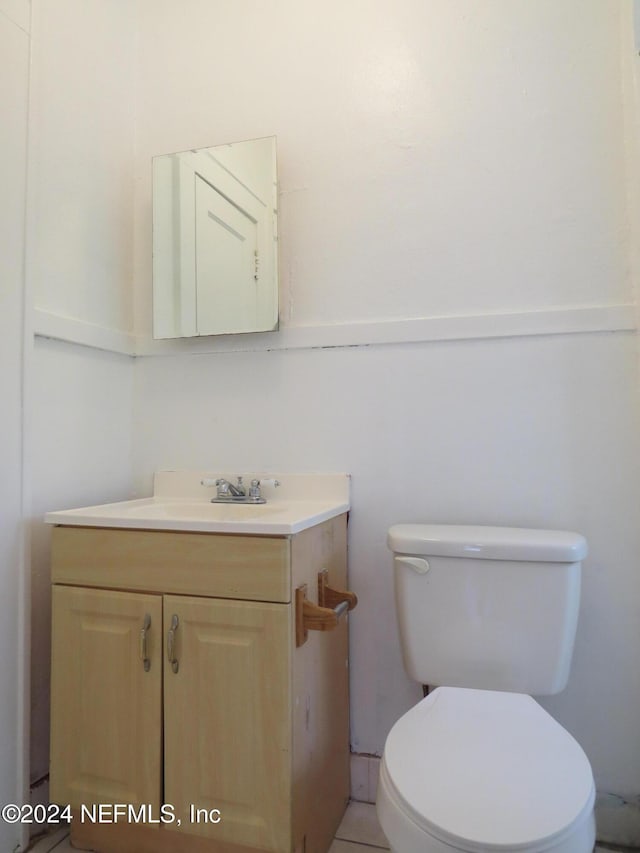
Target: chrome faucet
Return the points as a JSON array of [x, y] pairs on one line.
[[227, 492]]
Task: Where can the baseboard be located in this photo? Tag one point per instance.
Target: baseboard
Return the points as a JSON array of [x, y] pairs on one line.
[[365, 770], [618, 820], [39, 796]]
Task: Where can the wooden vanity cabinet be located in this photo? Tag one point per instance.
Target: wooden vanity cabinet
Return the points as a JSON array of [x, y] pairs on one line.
[[227, 713]]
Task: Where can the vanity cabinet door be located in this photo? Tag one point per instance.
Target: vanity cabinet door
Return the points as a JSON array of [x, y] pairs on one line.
[[106, 697], [227, 706]]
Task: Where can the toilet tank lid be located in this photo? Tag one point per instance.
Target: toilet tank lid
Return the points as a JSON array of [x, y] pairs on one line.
[[487, 543]]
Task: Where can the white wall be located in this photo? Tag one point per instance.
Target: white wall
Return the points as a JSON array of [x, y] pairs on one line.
[[79, 268], [522, 432], [14, 78], [81, 125], [80, 455], [436, 158]]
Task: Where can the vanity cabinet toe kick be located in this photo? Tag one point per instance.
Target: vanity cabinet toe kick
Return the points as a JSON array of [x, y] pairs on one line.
[[189, 676]]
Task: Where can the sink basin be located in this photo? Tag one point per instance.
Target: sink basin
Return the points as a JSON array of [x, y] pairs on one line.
[[181, 503]]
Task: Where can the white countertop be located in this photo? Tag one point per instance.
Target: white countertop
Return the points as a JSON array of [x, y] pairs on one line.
[[180, 502]]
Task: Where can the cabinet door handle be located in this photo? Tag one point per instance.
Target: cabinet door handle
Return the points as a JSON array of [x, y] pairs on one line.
[[171, 637], [144, 653]]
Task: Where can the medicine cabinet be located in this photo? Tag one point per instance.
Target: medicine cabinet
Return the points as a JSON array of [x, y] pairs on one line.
[[215, 264]]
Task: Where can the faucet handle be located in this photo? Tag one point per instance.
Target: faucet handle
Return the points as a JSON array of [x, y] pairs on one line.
[[255, 493], [224, 488]]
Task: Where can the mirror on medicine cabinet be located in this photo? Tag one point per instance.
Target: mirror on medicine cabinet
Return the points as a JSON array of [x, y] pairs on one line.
[[215, 259]]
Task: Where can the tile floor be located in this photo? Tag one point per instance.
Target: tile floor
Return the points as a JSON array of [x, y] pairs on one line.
[[359, 832], [359, 827]]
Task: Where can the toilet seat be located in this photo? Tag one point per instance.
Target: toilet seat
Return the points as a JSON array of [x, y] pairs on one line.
[[478, 770]]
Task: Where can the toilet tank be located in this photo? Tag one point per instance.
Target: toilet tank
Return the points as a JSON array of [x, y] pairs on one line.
[[493, 608]]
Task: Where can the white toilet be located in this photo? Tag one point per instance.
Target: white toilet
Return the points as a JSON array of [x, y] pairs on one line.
[[489, 614]]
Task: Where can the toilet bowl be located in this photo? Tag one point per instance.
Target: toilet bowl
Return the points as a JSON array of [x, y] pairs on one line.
[[484, 770]]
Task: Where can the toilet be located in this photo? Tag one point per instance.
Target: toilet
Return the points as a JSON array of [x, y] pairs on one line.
[[489, 615]]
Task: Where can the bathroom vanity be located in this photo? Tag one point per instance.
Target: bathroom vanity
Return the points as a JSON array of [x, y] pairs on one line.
[[200, 675]]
